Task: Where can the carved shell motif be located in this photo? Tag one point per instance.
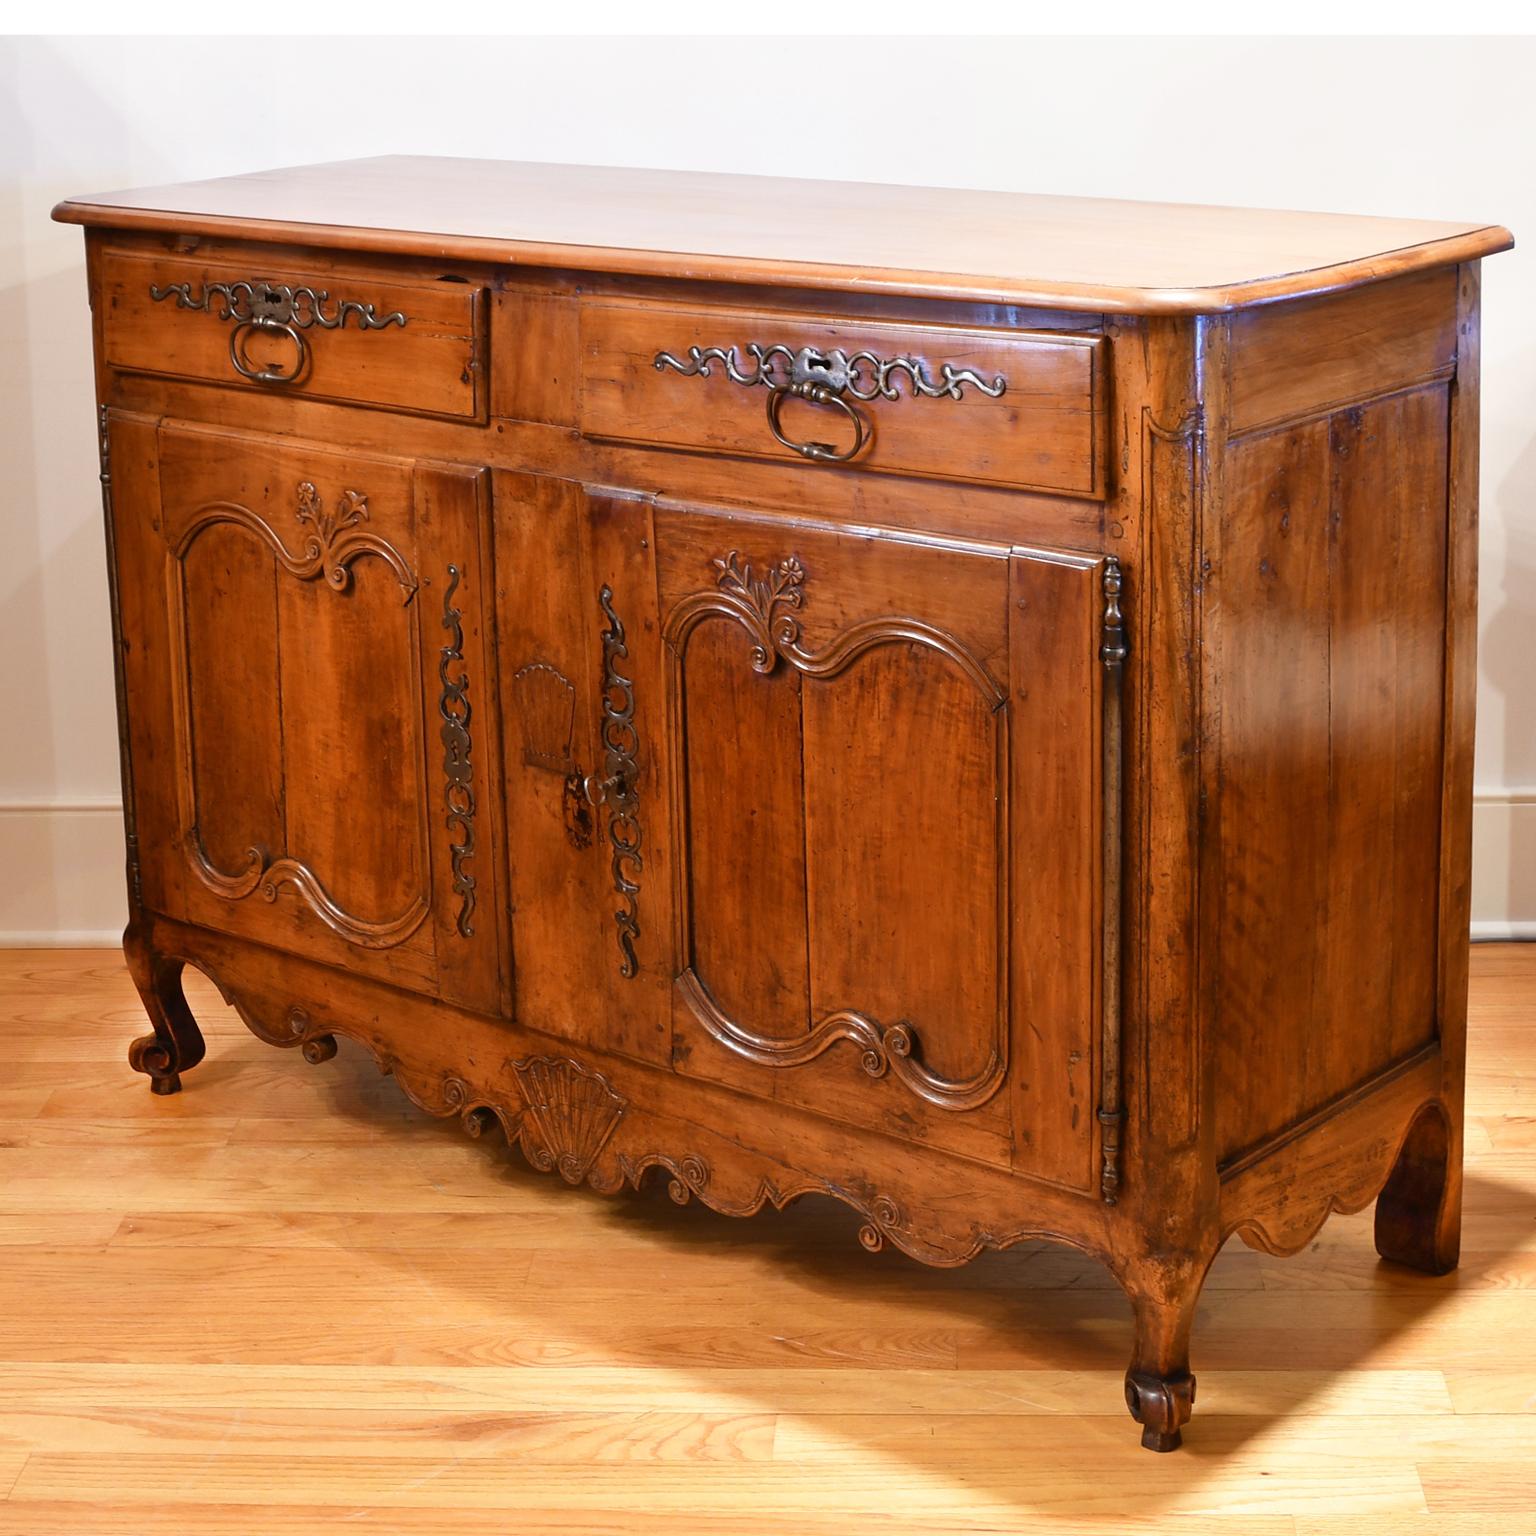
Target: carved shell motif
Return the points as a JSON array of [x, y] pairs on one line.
[[573, 1113]]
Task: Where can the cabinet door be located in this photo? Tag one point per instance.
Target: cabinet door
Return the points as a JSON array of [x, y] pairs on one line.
[[591, 931], [847, 847], [307, 680], [883, 769]]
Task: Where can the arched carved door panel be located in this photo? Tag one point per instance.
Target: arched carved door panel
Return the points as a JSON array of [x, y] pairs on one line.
[[875, 910], [306, 678]]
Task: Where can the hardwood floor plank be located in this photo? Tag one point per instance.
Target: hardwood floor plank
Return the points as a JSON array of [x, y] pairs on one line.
[[66, 1227], [1482, 1484], [561, 1389], [334, 1333], [285, 1299], [1492, 1391], [1435, 1524], [223, 1519], [567, 1439], [856, 1487], [1309, 1443]]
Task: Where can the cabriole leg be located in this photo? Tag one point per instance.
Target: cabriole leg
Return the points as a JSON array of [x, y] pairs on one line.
[[1418, 1213], [177, 1042], [1159, 1389]]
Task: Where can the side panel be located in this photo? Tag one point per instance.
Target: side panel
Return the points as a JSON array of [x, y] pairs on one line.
[[1330, 580]]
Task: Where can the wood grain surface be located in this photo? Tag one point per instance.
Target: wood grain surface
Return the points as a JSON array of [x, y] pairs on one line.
[[1140, 258], [286, 1300]]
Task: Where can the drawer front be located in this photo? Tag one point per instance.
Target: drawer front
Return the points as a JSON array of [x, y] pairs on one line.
[[404, 346], [1014, 408]]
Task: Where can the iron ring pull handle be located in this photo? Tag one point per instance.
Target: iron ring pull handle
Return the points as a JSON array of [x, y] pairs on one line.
[[247, 369], [817, 394]]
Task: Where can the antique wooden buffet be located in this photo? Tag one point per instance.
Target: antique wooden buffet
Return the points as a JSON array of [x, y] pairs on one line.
[[954, 701]]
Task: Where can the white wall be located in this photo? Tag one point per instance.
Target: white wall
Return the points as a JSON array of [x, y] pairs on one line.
[[1437, 128]]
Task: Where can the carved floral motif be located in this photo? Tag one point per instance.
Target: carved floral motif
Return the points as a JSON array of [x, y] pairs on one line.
[[336, 538]]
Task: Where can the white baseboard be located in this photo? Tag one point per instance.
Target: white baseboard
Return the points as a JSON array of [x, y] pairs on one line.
[[64, 882], [62, 938], [1504, 864], [64, 863], [1504, 933]]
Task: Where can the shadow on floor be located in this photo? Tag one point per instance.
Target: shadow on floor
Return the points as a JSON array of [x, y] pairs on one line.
[[1288, 1330]]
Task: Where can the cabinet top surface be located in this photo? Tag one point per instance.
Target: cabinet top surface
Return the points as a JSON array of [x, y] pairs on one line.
[[1062, 252]]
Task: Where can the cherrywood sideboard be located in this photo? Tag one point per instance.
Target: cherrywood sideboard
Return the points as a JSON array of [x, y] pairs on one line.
[[953, 701]]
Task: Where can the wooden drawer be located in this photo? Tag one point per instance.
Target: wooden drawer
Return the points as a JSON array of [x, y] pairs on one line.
[[1013, 408], [401, 345]]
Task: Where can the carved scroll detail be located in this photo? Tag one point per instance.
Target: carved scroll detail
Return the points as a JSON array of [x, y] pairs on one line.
[[267, 875], [336, 539], [767, 608], [315, 1043], [458, 771], [593, 1135], [767, 603], [890, 1048], [621, 744]]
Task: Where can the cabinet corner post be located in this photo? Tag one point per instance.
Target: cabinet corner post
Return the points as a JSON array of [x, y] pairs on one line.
[[1113, 650]]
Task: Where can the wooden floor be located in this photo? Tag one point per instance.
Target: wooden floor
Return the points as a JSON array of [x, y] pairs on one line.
[[285, 1301]]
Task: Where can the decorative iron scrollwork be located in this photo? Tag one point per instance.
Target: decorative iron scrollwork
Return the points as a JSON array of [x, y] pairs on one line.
[[863, 375], [458, 771], [831, 378], [259, 305], [618, 785], [280, 303], [1113, 651]]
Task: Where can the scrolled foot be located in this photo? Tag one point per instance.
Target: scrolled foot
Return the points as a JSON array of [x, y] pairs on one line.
[[318, 1048], [1161, 1405], [1159, 1386], [177, 1042]]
